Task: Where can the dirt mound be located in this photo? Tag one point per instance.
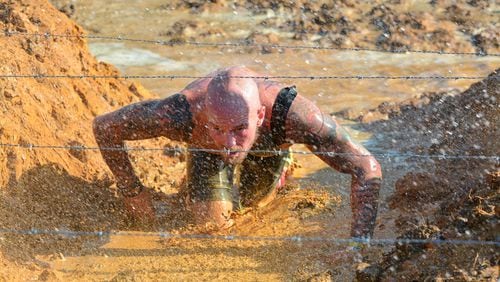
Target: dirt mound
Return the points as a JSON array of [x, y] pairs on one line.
[[448, 198], [445, 123], [461, 26], [52, 111], [52, 188]]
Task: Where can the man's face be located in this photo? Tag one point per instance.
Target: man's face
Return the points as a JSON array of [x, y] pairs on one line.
[[234, 130]]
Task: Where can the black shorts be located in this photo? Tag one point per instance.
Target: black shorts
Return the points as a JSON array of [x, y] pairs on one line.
[[245, 184]]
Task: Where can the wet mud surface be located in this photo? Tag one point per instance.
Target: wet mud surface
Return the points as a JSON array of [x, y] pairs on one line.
[[54, 189]]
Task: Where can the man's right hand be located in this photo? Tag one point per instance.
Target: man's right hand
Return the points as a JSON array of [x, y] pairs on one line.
[[140, 208]]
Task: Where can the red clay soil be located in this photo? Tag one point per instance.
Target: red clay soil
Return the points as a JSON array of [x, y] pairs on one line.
[[52, 111], [52, 188]]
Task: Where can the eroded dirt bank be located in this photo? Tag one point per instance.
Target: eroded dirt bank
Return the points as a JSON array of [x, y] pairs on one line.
[[447, 198], [51, 188]]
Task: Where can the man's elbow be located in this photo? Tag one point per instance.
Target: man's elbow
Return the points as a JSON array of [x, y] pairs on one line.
[[100, 129], [368, 168], [372, 168]]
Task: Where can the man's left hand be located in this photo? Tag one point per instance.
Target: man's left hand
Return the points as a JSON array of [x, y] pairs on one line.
[[140, 208]]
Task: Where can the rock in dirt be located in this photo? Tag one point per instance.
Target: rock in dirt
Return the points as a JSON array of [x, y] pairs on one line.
[[50, 275], [367, 273]]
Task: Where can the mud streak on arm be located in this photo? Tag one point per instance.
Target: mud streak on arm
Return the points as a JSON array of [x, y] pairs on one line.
[[169, 117], [306, 124]]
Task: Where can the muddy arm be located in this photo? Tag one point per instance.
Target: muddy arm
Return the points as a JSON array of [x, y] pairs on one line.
[[308, 125], [168, 117]]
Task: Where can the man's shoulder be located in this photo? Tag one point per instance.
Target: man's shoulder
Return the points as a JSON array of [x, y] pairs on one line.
[[268, 91], [195, 98]]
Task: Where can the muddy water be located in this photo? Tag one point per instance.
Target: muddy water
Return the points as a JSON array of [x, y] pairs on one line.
[[149, 19], [331, 95], [147, 257]]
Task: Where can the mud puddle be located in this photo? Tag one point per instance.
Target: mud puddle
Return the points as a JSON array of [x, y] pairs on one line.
[[316, 207]]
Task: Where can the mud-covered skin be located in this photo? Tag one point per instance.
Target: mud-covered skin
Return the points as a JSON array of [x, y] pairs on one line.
[[306, 124], [149, 119], [183, 117]]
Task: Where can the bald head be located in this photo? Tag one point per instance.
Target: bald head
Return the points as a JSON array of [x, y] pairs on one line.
[[233, 93], [234, 112]]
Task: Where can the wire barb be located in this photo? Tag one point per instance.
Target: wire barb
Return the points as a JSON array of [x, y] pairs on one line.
[[171, 77], [298, 239], [276, 152], [248, 44]]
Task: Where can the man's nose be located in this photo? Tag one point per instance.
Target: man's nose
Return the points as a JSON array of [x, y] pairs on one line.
[[229, 141]]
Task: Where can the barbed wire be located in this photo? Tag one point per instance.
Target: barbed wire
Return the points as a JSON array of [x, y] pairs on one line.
[[309, 77], [276, 152], [298, 239], [245, 44]]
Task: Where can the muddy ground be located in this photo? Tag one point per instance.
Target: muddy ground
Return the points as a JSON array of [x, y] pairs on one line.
[[448, 198], [54, 189]]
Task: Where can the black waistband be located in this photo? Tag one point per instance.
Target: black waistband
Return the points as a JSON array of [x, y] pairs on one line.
[[281, 106]]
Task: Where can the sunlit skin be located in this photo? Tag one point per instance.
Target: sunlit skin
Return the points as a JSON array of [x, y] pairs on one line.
[[231, 114], [234, 115]]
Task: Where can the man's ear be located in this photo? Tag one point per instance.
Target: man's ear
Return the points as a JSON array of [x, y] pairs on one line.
[[261, 114]]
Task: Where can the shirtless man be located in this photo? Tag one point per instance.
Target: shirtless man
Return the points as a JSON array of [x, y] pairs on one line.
[[229, 115]]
